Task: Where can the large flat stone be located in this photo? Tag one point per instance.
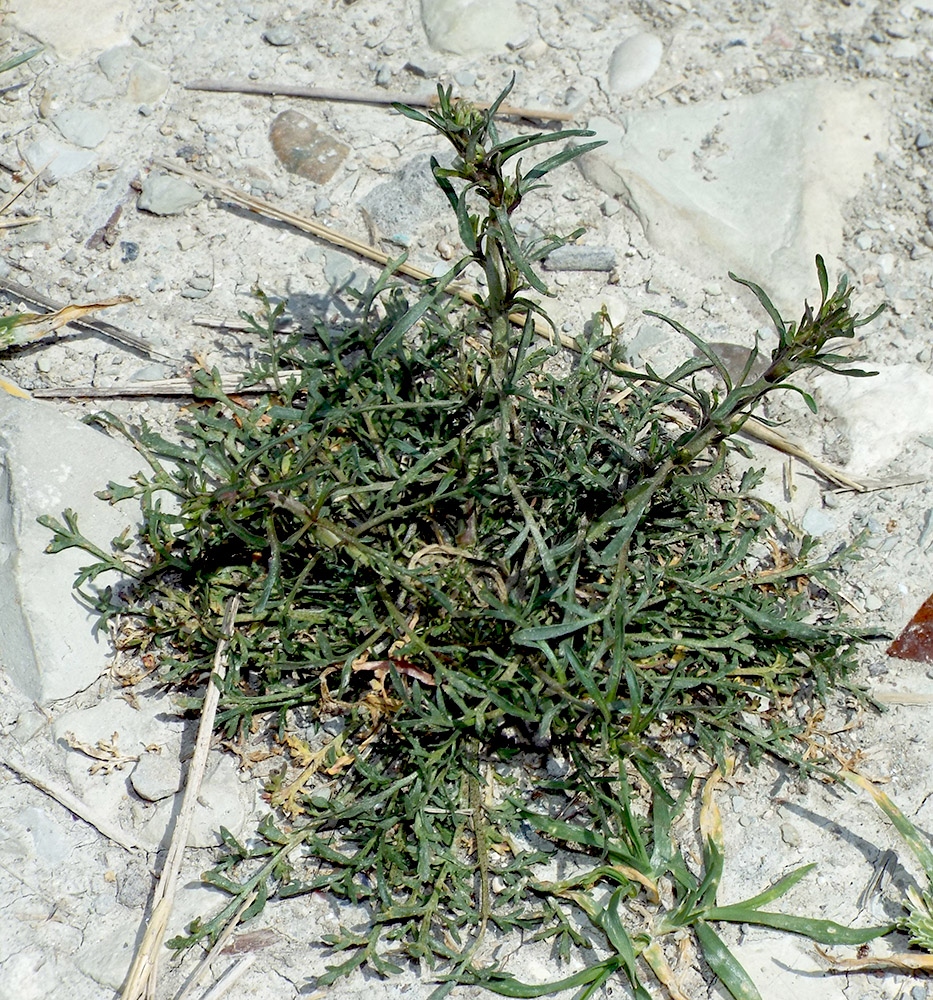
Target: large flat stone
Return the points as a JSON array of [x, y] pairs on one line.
[[78, 29], [878, 417], [48, 461], [754, 185]]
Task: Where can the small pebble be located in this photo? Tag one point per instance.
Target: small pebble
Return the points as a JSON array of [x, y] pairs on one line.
[[130, 251], [816, 523], [202, 282], [155, 777], [873, 603], [43, 365], [863, 241], [321, 205], [147, 82], [923, 140], [789, 835], [465, 78], [878, 668], [143, 36], [86, 129], [423, 68], [303, 149], [150, 373], [634, 61], [70, 256], [164, 195], [611, 207], [279, 35], [383, 75]]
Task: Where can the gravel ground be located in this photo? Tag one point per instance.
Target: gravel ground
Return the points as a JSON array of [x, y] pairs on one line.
[[107, 97]]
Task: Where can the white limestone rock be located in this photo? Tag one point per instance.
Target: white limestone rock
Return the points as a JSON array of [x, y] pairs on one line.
[[879, 416], [77, 30], [471, 26], [754, 185], [49, 462]]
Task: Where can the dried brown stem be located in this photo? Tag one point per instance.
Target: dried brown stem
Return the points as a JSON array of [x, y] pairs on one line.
[[143, 976], [362, 97], [35, 298]]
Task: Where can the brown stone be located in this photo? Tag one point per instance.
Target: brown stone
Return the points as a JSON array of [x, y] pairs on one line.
[[304, 149]]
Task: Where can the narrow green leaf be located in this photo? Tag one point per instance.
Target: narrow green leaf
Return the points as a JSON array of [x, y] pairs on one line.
[[823, 277], [544, 633], [778, 888], [769, 306], [611, 923], [822, 931], [785, 628], [18, 60], [559, 159], [515, 252], [393, 338], [724, 964], [698, 343], [508, 986]]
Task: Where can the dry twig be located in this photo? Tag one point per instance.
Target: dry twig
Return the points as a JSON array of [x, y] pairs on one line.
[[61, 795], [365, 97], [143, 976], [182, 386]]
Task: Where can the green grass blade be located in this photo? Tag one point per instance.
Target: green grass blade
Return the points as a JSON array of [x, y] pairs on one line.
[[508, 986], [15, 61], [823, 931], [618, 937], [726, 966], [777, 889], [902, 824]]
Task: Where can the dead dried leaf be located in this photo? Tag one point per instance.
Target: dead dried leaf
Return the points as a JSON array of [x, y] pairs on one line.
[[916, 641], [34, 326]]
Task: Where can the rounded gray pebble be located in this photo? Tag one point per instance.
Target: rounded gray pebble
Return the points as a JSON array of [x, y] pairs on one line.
[[280, 34], [164, 195], [634, 61], [155, 777]]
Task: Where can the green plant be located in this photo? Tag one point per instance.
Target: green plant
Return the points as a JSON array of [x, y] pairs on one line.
[[917, 921], [19, 59], [640, 855], [476, 566]]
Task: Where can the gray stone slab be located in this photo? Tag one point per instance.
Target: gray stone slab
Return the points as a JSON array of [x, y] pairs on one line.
[[73, 30], [48, 461], [754, 185], [879, 416]]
